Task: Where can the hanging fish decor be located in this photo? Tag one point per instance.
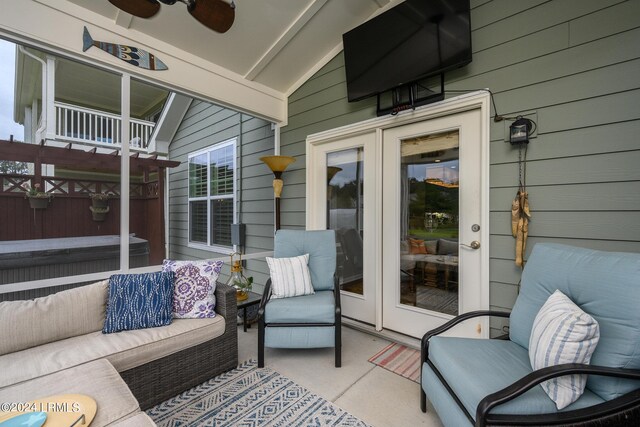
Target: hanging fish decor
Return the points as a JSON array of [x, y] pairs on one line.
[[132, 55], [520, 217]]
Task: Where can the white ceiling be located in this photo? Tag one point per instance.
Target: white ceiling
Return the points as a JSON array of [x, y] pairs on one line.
[[273, 42]]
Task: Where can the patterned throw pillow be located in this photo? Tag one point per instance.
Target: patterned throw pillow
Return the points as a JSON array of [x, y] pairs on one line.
[[290, 276], [138, 301], [562, 333], [417, 246], [195, 286]]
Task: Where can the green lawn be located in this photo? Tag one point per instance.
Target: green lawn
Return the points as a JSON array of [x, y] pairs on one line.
[[438, 233]]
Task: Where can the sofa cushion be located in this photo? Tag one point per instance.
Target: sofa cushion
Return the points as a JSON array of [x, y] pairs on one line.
[[321, 247], [97, 379], [139, 301], [194, 291], [316, 308], [432, 246], [562, 333], [495, 364], [62, 315], [125, 350], [447, 247], [605, 285]]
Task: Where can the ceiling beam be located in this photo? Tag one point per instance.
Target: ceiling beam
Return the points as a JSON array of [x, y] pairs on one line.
[[123, 19], [285, 38]]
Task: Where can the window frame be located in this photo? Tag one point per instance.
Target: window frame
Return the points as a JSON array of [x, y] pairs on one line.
[[209, 198]]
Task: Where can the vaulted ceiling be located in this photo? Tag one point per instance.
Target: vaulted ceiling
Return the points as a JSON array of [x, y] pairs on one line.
[[272, 42], [273, 47]]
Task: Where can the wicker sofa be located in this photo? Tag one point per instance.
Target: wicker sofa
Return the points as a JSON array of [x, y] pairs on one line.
[[54, 345]]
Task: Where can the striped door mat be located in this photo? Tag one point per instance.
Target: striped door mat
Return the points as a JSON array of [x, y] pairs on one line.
[[400, 360]]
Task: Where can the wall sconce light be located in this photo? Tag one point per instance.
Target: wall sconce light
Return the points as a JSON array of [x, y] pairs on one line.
[[520, 130], [277, 164]]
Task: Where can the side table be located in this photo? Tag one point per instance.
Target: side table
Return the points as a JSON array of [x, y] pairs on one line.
[[252, 300]]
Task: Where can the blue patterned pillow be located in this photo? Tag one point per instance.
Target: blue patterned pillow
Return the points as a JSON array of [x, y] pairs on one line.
[[138, 301]]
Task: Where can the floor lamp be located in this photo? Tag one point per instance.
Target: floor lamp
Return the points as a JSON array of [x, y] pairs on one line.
[[277, 164]]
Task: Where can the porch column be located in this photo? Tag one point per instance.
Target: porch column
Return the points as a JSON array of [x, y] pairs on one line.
[[49, 108]]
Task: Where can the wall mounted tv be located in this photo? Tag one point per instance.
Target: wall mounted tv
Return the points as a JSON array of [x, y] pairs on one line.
[[409, 42]]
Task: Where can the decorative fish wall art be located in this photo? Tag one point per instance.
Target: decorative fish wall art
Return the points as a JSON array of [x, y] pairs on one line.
[[132, 55]]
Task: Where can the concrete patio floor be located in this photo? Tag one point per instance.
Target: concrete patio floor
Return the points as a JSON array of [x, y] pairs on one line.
[[378, 397]]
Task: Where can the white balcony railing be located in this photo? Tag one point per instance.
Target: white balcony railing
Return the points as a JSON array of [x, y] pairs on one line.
[[84, 125]]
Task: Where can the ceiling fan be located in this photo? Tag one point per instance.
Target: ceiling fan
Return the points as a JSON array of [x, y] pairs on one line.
[[217, 15]]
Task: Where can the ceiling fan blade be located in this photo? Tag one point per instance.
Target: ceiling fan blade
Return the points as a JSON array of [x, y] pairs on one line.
[[217, 15], [139, 8]]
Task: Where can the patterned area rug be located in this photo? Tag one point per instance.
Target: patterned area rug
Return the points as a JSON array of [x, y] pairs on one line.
[[400, 360], [248, 396]]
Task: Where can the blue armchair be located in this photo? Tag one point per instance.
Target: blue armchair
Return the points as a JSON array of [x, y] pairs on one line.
[[491, 382], [309, 321]]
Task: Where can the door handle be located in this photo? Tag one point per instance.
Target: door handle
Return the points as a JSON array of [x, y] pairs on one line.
[[473, 245]]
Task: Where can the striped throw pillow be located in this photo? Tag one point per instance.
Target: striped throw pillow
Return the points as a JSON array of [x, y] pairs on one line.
[[562, 333], [290, 276]]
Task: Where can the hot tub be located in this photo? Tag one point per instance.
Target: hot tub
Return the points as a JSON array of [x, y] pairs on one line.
[[26, 260]]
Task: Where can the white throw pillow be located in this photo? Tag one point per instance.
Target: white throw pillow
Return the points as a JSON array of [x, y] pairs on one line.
[[290, 276], [562, 333]]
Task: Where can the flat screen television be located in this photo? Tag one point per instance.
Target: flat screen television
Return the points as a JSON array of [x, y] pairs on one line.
[[409, 42]]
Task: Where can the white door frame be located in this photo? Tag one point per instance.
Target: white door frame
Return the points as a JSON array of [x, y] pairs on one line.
[[354, 305], [472, 101]]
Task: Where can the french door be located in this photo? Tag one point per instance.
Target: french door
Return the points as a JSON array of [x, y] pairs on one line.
[[432, 229], [408, 198], [344, 200]]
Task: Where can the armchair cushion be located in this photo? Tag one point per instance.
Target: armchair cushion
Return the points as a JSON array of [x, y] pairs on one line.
[[605, 285], [562, 333], [495, 365], [321, 247], [316, 308], [290, 276]]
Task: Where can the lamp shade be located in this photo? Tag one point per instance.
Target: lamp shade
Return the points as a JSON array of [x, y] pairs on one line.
[[331, 172], [277, 163]]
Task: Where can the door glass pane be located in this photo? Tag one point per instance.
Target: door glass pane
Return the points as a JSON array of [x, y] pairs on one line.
[[345, 202], [429, 222]]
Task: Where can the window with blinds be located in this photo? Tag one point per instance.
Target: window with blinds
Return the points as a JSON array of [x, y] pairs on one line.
[[212, 195]]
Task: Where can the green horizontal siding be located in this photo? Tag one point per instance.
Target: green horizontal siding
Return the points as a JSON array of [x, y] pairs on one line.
[[205, 125], [573, 66]]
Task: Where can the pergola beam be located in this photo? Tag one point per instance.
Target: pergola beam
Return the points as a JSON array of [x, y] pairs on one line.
[[71, 157]]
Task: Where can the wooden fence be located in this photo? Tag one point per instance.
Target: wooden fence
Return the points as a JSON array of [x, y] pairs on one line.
[[68, 213]]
